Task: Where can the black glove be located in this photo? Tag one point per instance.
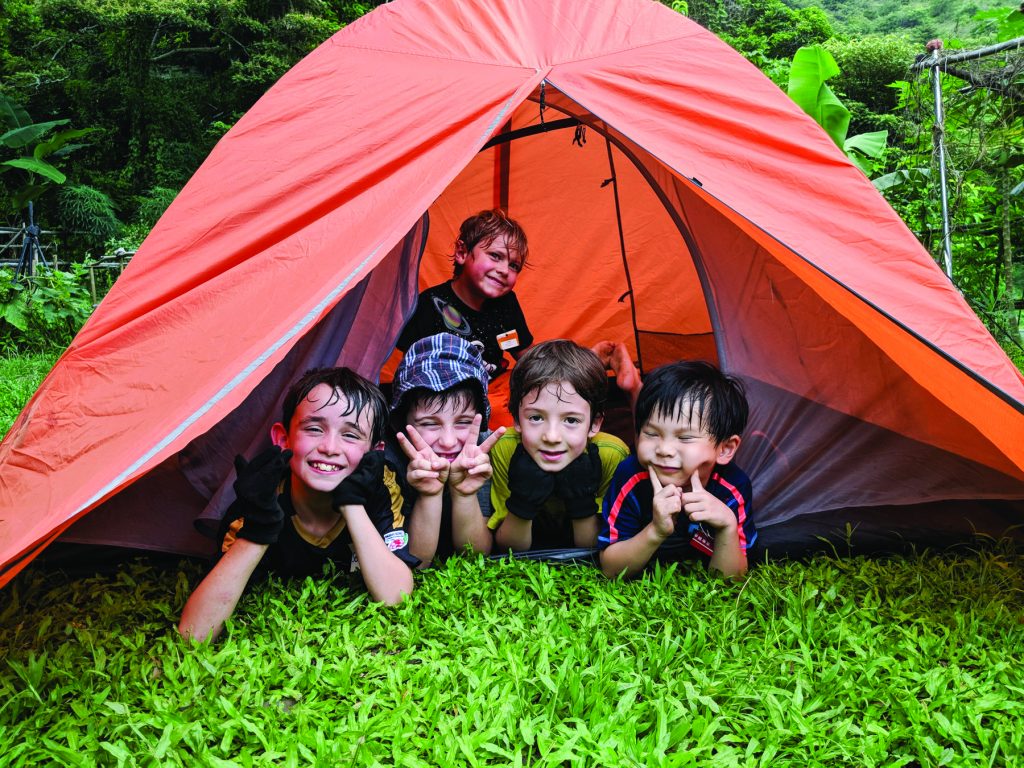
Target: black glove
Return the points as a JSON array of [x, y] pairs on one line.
[[256, 489], [577, 485], [529, 486], [365, 485]]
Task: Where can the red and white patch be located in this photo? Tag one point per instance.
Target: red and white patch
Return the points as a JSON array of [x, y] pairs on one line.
[[396, 540]]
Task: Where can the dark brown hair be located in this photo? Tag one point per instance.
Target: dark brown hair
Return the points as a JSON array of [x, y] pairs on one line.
[[555, 362], [360, 393], [487, 225]]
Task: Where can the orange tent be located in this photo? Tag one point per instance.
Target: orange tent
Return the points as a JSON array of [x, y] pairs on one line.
[[673, 198]]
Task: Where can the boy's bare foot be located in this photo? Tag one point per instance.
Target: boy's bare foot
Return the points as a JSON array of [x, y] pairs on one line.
[[627, 377], [604, 351]]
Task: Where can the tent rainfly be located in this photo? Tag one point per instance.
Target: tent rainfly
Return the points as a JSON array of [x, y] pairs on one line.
[[674, 198]]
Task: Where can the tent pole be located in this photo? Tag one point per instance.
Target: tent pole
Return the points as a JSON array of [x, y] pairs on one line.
[[622, 249], [939, 132]]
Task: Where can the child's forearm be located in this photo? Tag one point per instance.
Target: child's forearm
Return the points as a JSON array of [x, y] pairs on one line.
[[424, 528], [387, 578], [469, 526], [214, 600], [631, 556], [728, 558], [584, 531], [514, 533]]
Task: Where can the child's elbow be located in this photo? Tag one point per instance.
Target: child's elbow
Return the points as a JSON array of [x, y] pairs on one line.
[[397, 590], [609, 567]]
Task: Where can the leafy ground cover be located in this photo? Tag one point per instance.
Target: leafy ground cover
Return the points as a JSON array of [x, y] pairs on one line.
[[876, 662], [19, 377], [901, 662]]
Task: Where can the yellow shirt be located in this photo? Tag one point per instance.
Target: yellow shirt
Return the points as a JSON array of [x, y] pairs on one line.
[[610, 448]]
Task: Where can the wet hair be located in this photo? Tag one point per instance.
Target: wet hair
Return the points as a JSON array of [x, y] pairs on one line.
[[678, 390], [485, 226], [460, 395], [556, 362], [359, 392]]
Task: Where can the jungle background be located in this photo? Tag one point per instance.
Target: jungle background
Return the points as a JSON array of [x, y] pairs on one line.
[[107, 108]]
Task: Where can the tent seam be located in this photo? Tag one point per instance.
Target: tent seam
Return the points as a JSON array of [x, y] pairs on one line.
[[701, 189], [233, 384], [514, 65]]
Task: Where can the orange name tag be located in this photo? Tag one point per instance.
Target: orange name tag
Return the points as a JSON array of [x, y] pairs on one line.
[[508, 339]]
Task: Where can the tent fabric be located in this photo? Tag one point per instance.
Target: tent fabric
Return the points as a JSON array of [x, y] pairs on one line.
[[695, 212]]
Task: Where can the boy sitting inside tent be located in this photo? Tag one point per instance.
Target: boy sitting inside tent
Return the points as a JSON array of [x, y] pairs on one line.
[[320, 493], [479, 305], [440, 399], [680, 495], [551, 473]]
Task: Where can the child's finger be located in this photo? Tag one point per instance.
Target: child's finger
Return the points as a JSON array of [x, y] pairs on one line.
[[417, 439], [407, 448], [474, 430], [487, 444], [482, 468], [655, 481], [424, 474], [695, 486]]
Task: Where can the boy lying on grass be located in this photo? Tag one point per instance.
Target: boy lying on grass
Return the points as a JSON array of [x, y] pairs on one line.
[[322, 492], [552, 471], [680, 495], [440, 399]]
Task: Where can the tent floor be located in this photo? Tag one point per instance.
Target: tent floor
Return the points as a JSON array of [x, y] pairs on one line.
[[956, 527]]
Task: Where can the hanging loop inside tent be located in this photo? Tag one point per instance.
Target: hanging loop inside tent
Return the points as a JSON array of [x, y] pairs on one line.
[[580, 137], [543, 105]]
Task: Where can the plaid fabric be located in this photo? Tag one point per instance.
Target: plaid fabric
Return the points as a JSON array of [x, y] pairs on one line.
[[437, 363]]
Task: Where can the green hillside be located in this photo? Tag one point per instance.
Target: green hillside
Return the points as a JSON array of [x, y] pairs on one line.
[[918, 19]]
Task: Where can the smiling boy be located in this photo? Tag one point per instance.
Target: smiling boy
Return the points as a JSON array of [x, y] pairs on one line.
[[321, 493], [478, 303], [440, 400], [681, 495], [551, 472]]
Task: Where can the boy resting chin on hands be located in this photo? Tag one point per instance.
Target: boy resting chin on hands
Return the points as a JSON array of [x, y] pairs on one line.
[[681, 496]]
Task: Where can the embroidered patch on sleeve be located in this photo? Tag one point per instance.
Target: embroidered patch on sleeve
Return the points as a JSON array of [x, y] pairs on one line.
[[396, 540]]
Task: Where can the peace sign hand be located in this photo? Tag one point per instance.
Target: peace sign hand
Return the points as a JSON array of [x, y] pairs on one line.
[[703, 507], [668, 503], [427, 472], [472, 467]]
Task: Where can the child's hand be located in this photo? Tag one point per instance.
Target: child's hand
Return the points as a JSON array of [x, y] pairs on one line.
[[577, 484], [364, 485], [668, 503], [529, 486], [256, 489], [427, 471], [702, 507], [472, 467]]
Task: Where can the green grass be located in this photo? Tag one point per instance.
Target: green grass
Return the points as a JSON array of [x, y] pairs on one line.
[[832, 662], [19, 377]]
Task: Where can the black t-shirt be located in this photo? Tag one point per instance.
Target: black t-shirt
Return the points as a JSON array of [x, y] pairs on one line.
[[499, 327], [296, 555]]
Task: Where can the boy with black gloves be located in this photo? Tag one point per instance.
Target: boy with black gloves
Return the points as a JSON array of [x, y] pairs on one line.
[[551, 472], [322, 492]]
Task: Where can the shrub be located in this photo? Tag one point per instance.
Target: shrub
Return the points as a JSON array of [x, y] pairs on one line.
[[43, 313]]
